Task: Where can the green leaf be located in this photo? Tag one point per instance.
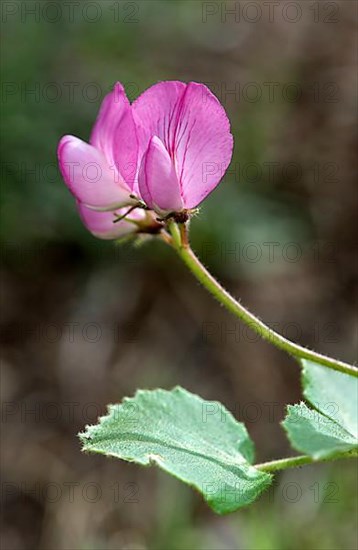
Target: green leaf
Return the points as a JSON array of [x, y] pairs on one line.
[[331, 427], [197, 441], [333, 393], [312, 433]]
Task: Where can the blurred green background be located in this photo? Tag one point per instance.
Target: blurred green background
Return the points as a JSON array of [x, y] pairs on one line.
[[85, 322]]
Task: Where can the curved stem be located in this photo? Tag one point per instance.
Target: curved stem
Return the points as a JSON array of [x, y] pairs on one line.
[[296, 461], [213, 286]]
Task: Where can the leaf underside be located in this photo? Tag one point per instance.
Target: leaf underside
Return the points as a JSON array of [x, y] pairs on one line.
[[312, 433], [331, 427], [197, 441], [334, 393]]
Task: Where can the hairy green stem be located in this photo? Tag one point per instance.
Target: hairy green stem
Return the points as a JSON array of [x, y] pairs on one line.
[[296, 461], [214, 287]]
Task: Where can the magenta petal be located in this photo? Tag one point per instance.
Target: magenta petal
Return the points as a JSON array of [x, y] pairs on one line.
[[88, 176], [101, 225], [114, 133], [203, 144], [158, 183]]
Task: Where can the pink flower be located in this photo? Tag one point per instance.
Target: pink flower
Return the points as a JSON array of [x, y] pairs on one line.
[[170, 149], [184, 137]]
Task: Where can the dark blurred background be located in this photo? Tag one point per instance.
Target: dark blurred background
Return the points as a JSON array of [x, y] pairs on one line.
[[86, 322]]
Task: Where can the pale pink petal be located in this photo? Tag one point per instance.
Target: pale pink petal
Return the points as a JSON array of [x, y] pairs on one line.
[[114, 133], [101, 224], [88, 176], [158, 183], [203, 144]]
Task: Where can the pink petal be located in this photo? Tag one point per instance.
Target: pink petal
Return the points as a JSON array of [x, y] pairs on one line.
[[195, 130], [158, 183], [156, 111], [114, 133], [203, 144], [101, 225], [88, 176]]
